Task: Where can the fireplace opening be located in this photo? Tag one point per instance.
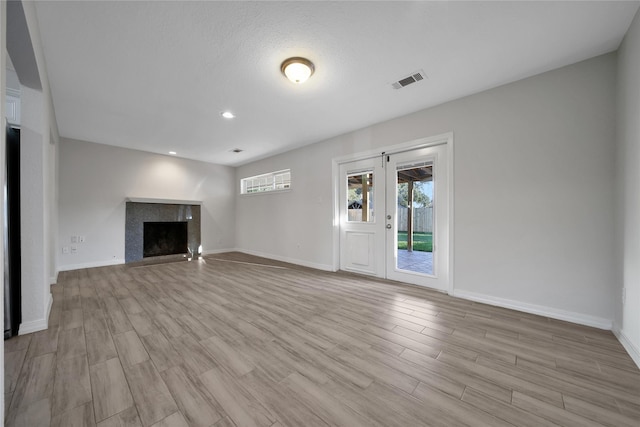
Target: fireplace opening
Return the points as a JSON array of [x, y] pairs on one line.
[[165, 238]]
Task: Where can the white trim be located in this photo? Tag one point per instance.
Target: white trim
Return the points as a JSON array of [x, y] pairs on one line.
[[335, 174], [49, 308], [33, 326], [323, 267], [120, 261], [93, 264], [36, 325], [217, 251], [540, 310], [452, 193], [54, 279], [163, 201], [259, 193], [633, 351], [444, 138]]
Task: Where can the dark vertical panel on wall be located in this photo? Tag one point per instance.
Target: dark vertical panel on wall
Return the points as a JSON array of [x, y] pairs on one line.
[[12, 279]]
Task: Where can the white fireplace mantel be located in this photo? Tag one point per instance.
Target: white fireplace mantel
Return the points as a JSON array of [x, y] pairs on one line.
[[164, 201]]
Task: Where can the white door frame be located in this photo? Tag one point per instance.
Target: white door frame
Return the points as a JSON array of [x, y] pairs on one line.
[[446, 138]]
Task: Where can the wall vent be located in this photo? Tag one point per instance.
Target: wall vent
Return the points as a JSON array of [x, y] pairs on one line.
[[412, 78]]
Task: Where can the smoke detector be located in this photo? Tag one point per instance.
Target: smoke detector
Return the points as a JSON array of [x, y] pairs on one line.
[[407, 80]]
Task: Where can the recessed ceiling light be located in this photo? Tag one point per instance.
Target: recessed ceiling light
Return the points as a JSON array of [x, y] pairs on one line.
[[173, 153], [297, 69], [227, 114]]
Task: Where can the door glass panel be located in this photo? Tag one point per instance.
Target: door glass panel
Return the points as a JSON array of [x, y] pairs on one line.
[[415, 217], [360, 197]]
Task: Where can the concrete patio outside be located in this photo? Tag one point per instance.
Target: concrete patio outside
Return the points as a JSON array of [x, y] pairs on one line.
[[416, 261]]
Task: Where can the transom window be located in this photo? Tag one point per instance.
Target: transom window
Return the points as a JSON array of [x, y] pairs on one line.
[[273, 181]]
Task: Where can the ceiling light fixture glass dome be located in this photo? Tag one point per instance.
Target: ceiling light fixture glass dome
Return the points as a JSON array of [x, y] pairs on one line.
[[298, 70]]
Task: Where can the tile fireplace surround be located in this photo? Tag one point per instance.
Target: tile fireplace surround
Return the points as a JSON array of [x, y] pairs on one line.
[[141, 210]]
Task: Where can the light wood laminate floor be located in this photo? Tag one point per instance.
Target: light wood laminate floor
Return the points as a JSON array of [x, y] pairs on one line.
[[234, 340]]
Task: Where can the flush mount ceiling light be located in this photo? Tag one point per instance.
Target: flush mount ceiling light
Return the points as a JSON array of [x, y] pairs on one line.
[[173, 153], [227, 114], [298, 70]]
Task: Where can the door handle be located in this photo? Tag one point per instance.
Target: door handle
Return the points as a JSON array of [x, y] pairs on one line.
[[389, 226]]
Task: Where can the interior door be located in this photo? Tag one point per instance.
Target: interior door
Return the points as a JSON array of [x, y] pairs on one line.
[[417, 229], [362, 222]]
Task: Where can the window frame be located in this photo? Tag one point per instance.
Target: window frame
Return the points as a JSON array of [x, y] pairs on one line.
[[266, 183]]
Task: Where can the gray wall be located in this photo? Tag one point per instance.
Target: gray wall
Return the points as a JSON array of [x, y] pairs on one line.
[[628, 186], [95, 179], [534, 184]]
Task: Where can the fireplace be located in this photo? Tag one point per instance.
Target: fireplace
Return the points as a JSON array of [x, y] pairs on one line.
[[165, 238], [159, 230]]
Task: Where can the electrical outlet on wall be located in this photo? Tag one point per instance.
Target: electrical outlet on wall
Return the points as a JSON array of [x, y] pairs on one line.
[[74, 249], [65, 249], [82, 239]]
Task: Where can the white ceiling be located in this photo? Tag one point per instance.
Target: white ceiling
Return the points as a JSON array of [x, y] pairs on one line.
[[154, 76]]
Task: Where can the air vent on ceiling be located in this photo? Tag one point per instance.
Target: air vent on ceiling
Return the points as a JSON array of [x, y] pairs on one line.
[[412, 78]]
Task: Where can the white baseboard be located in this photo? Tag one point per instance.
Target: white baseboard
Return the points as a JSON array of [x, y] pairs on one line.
[[120, 261], [633, 351], [554, 313], [303, 263], [32, 326], [49, 307], [70, 267], [218, 251], [54, 279], [39, 324]]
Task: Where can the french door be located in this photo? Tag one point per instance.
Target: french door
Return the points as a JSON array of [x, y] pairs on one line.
[[362, 217], [394, 216]]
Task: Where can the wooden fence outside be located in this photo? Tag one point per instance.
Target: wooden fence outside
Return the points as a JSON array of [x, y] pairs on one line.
[[422, 219]]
